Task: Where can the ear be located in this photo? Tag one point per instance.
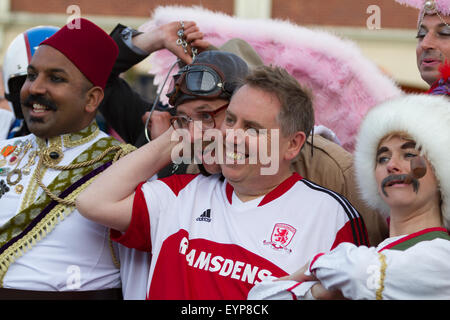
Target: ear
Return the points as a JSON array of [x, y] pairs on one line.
[[295, 145], [94, 96]]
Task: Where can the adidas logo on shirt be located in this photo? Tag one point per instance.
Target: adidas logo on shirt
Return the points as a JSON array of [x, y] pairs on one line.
[[205, 216]]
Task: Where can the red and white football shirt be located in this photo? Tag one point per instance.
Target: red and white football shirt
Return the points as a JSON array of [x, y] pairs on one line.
[[207, 244]]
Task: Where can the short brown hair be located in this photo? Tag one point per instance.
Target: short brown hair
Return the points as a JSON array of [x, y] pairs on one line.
[[297, 113]]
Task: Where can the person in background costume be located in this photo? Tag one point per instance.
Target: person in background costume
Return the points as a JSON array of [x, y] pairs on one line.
[[15, 62], [47, 249], [433, 36]]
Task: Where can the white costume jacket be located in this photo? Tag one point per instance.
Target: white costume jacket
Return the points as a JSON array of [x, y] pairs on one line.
[[49, 246]]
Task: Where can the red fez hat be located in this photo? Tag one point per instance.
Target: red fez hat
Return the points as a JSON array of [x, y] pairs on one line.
[[89, 48]]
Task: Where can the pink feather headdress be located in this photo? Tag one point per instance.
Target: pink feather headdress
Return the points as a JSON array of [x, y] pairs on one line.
[[442, 6], [430, 7], [344, 83]]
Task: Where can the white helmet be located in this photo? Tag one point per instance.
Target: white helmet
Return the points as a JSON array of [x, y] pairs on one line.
[[16, 61]]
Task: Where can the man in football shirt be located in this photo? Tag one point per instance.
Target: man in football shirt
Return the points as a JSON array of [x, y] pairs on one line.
[[215, 238]]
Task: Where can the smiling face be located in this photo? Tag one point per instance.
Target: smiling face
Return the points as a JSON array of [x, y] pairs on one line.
[[251, 122], [433, 46], [56, 97], [200, 109], [394, 157]]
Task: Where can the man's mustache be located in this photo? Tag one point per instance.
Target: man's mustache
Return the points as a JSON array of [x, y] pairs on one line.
[[399, 178], [432, 54], [39, 99]]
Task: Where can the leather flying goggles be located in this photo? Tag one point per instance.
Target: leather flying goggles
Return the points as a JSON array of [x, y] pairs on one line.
[[198, 80]]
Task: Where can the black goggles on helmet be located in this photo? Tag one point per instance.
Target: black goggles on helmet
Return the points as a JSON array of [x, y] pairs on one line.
[[198, 80]]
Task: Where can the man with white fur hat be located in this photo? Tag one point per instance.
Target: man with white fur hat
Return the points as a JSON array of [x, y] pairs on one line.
[[402, 170]]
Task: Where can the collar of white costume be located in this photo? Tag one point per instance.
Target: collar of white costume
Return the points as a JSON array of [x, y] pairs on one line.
[[406, 241]]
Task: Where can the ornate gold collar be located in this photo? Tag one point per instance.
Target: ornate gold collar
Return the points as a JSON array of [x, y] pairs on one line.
[[52, 152], [71, 140]]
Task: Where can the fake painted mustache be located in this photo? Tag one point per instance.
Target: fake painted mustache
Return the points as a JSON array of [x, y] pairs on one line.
[[38, 99], [399, 178], [418, 170]]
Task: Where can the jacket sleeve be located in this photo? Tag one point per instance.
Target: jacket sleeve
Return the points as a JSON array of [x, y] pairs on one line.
[[351, 269], [122, 107], [420, 272]]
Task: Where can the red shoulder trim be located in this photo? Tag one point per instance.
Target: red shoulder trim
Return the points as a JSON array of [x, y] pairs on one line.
[[137, 235], [350, 232], [229, 192]]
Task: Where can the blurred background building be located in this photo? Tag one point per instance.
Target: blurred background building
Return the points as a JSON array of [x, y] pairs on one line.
[[384, 30]]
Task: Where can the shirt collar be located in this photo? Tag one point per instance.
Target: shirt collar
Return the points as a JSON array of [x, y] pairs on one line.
[[71, 140], [281, 189]]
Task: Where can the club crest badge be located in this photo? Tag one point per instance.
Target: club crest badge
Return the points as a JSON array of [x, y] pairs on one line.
[[282, 235]]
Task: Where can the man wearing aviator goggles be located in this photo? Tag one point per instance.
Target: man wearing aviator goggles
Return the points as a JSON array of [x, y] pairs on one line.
[[204, 81], [201, 91], [198, 80]]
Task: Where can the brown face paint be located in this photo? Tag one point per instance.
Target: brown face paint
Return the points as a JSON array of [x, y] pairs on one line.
[[418, 167]]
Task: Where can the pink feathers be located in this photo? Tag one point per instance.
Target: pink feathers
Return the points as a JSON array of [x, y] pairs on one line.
[[344, 83], [418, 4], [443, 6]]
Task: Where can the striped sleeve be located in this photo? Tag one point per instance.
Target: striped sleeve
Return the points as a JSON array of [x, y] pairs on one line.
[[354, 230]]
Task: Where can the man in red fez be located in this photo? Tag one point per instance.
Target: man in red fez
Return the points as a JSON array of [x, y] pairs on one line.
[[65, 80], [47, 249]]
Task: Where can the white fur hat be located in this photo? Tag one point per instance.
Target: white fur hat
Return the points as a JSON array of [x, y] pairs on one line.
[[426, 119]]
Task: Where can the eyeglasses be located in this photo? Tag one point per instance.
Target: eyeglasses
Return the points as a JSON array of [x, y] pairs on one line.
[[203, 120], [198, 80]]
